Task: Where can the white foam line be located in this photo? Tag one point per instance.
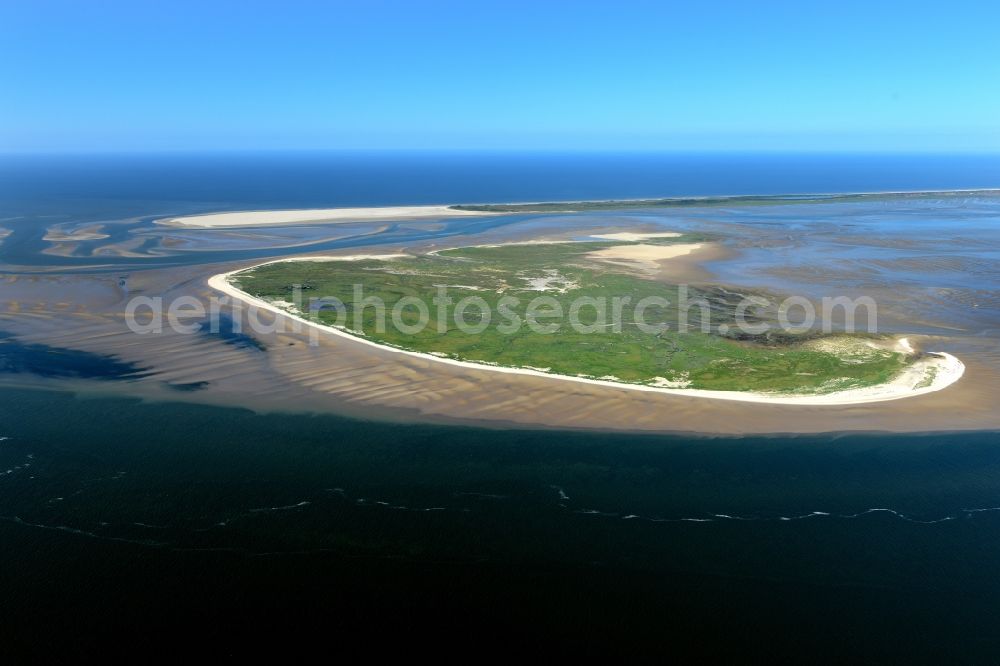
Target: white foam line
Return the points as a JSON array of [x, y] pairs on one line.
[[288, 507], [399, 507], [84, 533], [992, 508], [815, 514], [949, 368]]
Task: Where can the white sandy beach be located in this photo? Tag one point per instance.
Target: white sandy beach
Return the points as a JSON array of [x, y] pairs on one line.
[[632, 236], [643, 254], [332, 257], [929, 374], [268, 218]]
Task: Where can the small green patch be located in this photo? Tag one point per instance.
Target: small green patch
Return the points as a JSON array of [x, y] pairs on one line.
[[929, 376]]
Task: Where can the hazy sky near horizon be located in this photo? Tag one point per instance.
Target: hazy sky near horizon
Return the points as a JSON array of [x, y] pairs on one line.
[[872, 76]]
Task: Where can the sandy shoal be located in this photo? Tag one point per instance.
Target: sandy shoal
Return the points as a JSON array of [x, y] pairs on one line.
[[266, 218], [633, 236], [90, 233], [644, 254]]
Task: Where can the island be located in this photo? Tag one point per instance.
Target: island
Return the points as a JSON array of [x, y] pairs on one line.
[[570, 310]]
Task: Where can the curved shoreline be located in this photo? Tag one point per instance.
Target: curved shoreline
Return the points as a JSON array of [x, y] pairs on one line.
[[948, 369]]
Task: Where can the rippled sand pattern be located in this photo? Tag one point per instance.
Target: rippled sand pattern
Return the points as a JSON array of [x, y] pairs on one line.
[[943, 299]]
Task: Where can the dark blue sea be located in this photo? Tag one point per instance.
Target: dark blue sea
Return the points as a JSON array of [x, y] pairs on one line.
[[303, 180], [140, 529]]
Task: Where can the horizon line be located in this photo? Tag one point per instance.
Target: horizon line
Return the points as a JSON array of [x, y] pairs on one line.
[[992, 151]]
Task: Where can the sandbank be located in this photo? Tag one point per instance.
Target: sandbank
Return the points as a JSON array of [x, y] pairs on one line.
[[93, 232], [268, 218], [643, 254], [632, 236]]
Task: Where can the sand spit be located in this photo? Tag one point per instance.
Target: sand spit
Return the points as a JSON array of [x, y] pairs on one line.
[[631, 236], [269, 218], [330, 257], [644, 255], [932, 372]]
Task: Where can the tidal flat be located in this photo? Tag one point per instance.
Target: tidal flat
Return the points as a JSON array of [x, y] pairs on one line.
[[929, 261]]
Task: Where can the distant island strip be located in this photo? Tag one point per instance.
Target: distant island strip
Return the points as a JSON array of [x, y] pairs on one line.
[[266, 218]]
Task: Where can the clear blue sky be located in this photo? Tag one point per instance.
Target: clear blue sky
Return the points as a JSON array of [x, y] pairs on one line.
[[796, 75]]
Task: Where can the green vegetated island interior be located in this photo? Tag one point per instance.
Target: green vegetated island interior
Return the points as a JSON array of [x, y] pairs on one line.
[[698, 355]]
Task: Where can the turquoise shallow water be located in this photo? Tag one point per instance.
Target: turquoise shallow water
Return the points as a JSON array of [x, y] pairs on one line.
[[131, 527]]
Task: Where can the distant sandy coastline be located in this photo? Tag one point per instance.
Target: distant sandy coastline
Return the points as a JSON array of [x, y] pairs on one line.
[[931, 373], [270, 218]]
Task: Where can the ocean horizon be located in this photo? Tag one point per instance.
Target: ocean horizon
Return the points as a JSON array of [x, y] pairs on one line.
[[304, 179]]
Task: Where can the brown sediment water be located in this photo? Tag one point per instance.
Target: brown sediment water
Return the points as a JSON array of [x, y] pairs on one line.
[[297, 371], [931, 266]]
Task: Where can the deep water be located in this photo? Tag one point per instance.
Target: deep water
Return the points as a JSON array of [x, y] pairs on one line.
[[123, 515], [140, 528]]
